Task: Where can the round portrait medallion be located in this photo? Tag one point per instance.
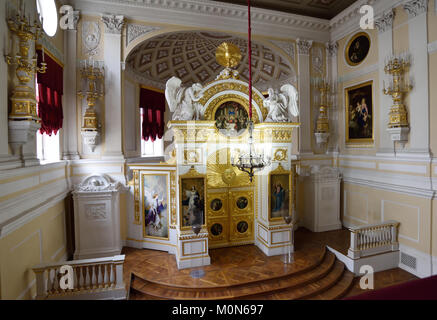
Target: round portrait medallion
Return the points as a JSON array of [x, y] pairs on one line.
[[242, 203], [216, 229], [216, 204], [357, 49], [242, 227]]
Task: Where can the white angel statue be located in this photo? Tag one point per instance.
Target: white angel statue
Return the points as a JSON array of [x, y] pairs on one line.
[[182, 101], [282, 105]]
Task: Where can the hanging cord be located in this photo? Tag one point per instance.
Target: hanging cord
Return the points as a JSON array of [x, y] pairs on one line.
[[249, 31]]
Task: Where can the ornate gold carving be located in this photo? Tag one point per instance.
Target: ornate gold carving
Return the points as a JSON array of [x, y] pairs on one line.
[[280, 155], [224, 235], [221, 196], [235, 234], [235, 86], [235, 196], [192, 156], [228, 55], [137, 215], [173, 209], [221, 174]]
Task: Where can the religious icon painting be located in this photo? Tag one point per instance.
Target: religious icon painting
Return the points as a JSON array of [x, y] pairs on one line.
[[359, 114], [357, 49], [192, 208], [231, 119], [155, 205], [279, 195]]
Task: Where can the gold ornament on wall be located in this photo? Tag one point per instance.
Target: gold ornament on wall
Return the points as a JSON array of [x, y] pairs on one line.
[[23, 97], [228, 55], [397, 67]]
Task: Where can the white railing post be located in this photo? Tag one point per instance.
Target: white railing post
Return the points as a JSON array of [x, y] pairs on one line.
[[394, 236], [353, 251], [118, 272], [41, 284]]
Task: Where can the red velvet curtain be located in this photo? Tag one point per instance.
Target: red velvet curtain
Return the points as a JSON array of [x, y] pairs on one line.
[[50, 91], [153, 105]]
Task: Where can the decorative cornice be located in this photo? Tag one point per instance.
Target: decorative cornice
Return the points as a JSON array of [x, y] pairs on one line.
[[385, 22], [113, 23], [136, 30], [304, 46], [206, 13], [332, 48], [416, 7], [46, 43]]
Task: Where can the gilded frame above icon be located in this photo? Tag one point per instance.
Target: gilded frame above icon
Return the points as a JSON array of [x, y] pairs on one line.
[[280, 184], [359, 114]]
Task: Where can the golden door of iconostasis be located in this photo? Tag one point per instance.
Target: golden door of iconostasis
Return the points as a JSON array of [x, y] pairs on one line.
[[230, 203]]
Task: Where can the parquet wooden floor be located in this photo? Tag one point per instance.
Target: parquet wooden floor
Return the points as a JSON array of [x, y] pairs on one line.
[[246, 273]]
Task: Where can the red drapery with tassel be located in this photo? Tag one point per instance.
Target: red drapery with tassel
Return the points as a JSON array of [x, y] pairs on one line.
[[50, 91], [153, 105]]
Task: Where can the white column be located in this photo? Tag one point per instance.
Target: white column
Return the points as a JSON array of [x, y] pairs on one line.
[[303, 61], [70, 151], [418, 110], [385, 48], [332, 74], [112, 57]]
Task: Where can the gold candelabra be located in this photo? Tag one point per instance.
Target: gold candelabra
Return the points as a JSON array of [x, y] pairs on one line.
[[92, 76], [23, 97], [326, 92], [398, 87]]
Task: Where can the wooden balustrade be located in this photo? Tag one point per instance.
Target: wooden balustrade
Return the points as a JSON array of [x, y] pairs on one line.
[[373, 239], [90, 276]]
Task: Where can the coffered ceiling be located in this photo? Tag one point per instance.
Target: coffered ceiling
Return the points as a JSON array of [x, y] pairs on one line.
[[324, 9]]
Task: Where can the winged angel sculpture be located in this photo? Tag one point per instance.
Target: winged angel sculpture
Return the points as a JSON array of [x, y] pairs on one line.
[[183, 101], [282, 105]]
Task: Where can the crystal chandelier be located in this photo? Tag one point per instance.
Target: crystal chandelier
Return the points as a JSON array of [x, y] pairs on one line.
[[251, 161]]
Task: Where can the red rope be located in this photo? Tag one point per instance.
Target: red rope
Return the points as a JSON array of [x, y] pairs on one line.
[[250, 60]]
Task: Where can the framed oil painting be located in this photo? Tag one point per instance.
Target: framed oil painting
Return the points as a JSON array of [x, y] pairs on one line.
[[357, 49], [279, 194], [192, 195], [359, 114], [155, 205], [231, 119]]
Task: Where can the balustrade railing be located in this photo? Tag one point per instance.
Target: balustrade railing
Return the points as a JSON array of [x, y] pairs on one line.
[[89, 277], [373, 239]]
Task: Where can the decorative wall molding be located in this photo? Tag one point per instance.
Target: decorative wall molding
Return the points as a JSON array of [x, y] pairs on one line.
[[95, 211], [136, 30], [76, 17], [304, 46], [317, 60], [113, 23], [98, 183], [332, 48], [416, 7], [90, 37], [432, 47], [385, 22], [359, 73]]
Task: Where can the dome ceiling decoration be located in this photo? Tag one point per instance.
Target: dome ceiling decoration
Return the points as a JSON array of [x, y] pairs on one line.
[[191, 57]]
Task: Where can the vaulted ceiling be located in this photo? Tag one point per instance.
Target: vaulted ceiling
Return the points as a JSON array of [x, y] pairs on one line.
[[324, 9], [191, 57]]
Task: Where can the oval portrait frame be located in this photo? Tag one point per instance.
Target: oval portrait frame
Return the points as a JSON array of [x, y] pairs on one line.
[[348, 46]]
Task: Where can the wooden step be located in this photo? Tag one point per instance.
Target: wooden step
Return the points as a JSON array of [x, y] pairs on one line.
[[306, 290], [338, 291], [241, 291]]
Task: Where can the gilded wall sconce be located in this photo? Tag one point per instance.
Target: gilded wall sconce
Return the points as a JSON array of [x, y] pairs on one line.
[[327, 92], [23, 117], [398, 87], [92, 73]]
